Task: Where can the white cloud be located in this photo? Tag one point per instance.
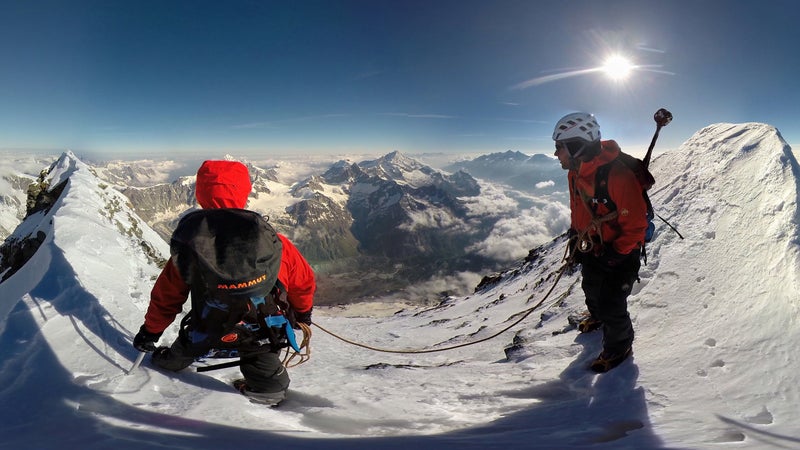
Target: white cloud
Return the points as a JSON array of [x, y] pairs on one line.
[[493, 201], [513, 237], [431, 217], [459, 284]]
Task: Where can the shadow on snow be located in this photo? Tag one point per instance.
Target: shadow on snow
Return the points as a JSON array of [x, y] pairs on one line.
[[579, 409]]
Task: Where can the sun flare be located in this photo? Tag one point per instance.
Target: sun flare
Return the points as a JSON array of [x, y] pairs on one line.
[[618, 67]]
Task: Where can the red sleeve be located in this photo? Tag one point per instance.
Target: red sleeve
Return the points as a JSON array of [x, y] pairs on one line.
[[166, 299], [631, 207], [297, 276]]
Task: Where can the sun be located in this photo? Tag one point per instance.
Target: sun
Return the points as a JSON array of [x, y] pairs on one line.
[[617, 67]]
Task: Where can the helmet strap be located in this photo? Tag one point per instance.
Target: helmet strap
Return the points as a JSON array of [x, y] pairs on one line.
[[587, 151]]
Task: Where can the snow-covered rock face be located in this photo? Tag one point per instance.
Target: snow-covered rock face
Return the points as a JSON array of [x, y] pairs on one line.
[[734, 188], [13, 201], [715, 317], [87, 226], [17, 174]]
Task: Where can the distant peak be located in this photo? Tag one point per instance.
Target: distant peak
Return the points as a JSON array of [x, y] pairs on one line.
[[68, 155], [396, 159], [395, 155], [509, 155], [342, 163]]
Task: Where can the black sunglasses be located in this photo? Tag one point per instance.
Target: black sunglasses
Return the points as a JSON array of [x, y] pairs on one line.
[[575, 148]]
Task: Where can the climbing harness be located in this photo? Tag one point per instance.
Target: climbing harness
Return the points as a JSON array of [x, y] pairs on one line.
[[585, 242], [302, 352]]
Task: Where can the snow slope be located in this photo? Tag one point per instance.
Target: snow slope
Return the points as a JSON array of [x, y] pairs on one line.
[[16, 173], [714, 366]]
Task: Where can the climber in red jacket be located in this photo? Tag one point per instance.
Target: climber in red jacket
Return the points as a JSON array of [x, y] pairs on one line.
[[607, 231], [236, 267]]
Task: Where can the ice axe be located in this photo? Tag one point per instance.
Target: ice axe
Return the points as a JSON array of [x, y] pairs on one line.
[[136, 363], [662, 118]]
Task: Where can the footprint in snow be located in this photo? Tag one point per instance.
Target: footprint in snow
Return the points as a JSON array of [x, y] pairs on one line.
[[764, 417], [618, 430], [730, 436]]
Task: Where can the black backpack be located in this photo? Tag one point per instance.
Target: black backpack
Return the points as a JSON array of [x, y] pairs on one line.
[[643, 175], [230, 258]]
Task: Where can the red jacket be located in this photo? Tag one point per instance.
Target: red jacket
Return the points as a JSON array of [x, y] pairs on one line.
[[626, 232], [170, 291]]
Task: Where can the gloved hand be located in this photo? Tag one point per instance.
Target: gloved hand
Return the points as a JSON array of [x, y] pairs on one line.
[[303, 317], [611, 258], [145, 341]]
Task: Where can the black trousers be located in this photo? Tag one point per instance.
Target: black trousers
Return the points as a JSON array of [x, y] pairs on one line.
[[607, 290], [263, 370]]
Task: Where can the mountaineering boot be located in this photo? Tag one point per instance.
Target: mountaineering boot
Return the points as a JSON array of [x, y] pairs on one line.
[[589, 324], [171, 358], [584, 322], [262, 398], [608, 360]]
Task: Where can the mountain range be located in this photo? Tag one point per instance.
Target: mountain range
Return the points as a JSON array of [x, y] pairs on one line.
[[527, 173], [393, 220]]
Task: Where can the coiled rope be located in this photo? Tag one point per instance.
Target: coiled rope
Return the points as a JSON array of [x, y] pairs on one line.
[[305, 349]]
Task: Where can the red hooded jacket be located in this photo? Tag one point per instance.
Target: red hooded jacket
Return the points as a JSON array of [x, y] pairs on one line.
[[626, 232], [226, 184]]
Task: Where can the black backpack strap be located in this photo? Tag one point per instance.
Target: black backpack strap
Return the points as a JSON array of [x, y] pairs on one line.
[[601, 196]]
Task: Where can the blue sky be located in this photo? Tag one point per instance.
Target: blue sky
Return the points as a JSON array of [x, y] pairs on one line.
[[287, 77]]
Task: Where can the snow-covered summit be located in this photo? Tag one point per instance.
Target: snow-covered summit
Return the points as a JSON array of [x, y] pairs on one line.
[[400, 168], [733, 176], [715, 316]]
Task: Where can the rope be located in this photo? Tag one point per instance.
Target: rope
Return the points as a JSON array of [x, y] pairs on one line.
[[585, 243], [305, 346], [305, 349], [528, 312]]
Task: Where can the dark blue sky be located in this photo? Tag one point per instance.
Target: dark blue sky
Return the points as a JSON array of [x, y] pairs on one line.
[[280, 77]]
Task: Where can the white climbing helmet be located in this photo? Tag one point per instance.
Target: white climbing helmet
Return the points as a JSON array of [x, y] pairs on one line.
[[579, 125]]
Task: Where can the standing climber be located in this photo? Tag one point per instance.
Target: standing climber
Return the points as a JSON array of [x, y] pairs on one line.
[[609, 219]]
